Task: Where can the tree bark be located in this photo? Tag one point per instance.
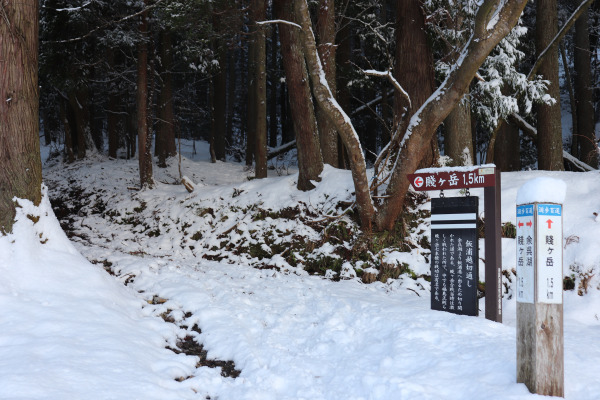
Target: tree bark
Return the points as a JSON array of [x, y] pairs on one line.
[[327, 49], [458, 139], [414, 67], [586, 135], [220, 106], [79, 103], [144, 143], [165, 130], [112, 108], [549, 120], [273, 125], [251, 116], [66, 120], [508, 149], [310, 163], [260, 149], [20, 163]]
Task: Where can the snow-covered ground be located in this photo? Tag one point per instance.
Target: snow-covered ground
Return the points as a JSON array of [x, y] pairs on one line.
[[72, 331]]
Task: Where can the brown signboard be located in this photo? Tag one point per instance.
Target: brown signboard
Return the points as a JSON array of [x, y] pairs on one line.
[[488, 177], [443, 179]]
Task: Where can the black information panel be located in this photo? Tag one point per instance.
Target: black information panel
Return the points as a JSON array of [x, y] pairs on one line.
[[454, 255]]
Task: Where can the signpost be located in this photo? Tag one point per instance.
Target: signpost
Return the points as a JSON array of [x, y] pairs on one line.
[[487, 177], [540, 348], [454, 255]]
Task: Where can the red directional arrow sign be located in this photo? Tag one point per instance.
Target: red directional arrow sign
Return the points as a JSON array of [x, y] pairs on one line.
[[529, 224], [418, 182], [549, 222], [521, 224]]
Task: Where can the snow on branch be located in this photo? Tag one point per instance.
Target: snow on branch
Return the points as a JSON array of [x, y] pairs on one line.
[[390, 77], [70, 9], [279, 21]]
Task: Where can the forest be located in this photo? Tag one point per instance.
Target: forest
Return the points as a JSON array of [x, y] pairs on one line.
[[371, 84], [209, 199]]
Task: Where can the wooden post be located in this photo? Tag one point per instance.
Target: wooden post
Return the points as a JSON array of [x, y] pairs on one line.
[[493, 250], [540, 349]]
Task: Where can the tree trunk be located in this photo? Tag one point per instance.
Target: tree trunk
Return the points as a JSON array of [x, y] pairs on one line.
[[165, 130], [79, 103], [423, 124], [260, 150], [310, 163], [549, 120], [327, 102], [20, 163], [112, 109], [251, 116], [274, 78], [508, 149], [458, 139], [586, 135], [231, 95], [326, 46], [144, 149], [344, 97], [66, 120], [219, 96], [414, 67]]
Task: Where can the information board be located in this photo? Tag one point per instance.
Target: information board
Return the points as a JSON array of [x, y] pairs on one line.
[[549, 253], [454, 255], [525, 253]]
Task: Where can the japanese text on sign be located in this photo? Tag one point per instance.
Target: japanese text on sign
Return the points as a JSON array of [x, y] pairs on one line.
[[525, 254], [440, 180], [549, 256], [454, 255]]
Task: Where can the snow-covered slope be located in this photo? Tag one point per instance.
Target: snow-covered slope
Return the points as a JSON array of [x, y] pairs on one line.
[[70, 330]]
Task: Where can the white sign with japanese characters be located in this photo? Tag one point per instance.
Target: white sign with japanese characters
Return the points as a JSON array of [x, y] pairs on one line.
[[549, 253], [525, 254]]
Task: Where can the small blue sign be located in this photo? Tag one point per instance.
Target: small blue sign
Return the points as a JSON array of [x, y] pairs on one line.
[[525, 210], [550, 209]]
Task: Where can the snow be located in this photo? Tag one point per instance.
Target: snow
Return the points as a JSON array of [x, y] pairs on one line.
[[70, 330], [542, 190]]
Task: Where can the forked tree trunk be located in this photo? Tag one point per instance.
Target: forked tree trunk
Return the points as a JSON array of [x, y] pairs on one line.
[[327, 102], [20, 164], [310, 163], [144, 144], [423, 124]]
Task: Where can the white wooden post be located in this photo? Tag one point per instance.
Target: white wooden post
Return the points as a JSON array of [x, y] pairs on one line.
[[540, 349]]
